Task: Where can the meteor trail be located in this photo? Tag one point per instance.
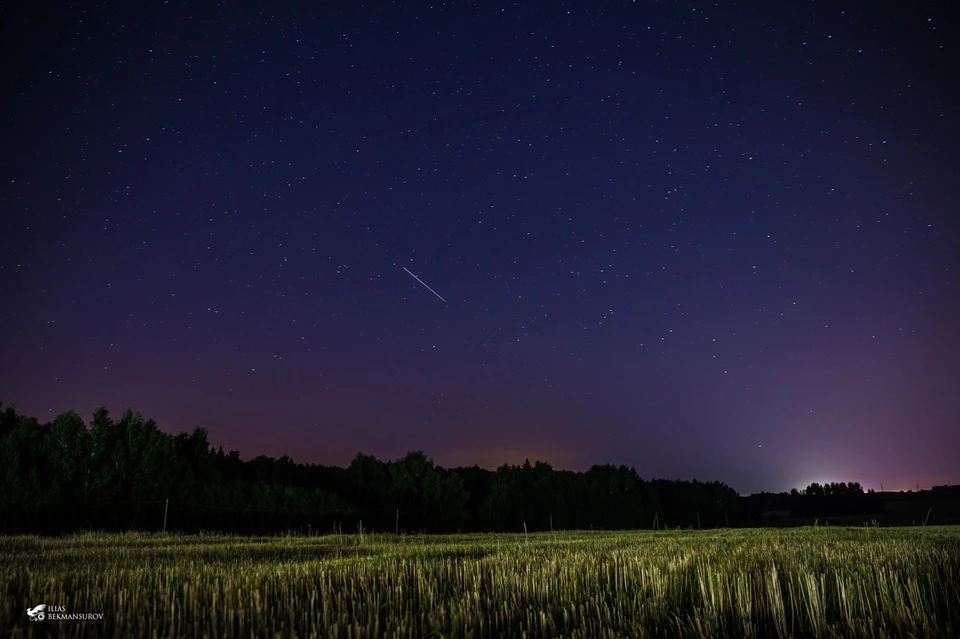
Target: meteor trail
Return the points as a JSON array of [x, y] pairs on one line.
[[696, 175], [424, 283]]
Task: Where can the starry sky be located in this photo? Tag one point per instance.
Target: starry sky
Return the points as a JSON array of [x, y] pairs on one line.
[[710, 241]]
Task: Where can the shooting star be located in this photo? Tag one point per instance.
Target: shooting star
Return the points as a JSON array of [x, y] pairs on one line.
[[424, 283], [696, 175]]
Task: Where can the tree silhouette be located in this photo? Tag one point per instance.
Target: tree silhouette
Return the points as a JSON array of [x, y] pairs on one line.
[[119, 475]]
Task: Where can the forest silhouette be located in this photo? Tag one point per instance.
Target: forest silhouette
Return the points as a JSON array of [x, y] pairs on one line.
[[127, 474]]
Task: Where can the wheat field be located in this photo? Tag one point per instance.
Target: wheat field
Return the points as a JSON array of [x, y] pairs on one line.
[[804, 582]]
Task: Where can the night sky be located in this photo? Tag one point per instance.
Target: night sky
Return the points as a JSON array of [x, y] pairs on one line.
[[712, 241]]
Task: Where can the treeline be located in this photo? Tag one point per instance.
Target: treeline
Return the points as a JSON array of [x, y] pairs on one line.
[[817, 500], [119, 474], [125, 474]]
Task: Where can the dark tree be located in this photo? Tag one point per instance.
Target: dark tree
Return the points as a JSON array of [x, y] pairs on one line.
[[119, 475]]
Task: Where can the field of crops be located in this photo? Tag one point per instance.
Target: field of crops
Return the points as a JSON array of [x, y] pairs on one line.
[[810, 582]]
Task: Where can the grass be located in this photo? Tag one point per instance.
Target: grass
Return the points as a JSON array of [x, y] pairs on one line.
[[807, 582]]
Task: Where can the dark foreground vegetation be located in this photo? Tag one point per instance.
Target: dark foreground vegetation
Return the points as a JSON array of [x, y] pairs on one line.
[[125, 474], [803, 582]]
